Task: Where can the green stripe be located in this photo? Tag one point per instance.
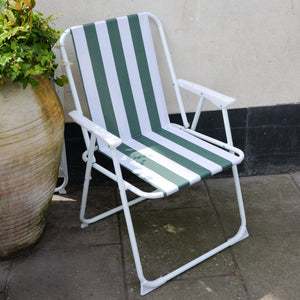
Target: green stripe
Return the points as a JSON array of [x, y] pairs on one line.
[[144, 71], [185, 162], [120, 62], [100, 78], [154, 166], [223, 162]]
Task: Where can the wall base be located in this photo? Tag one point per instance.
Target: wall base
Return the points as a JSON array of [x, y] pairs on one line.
[[269, 136]]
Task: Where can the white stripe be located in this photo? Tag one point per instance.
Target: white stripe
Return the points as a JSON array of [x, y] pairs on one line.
[[112, 80], [118, 105], [152, 177], [198, 159], [134, 76], [214, 149], [164, 161], [88, 75], [153, 69]]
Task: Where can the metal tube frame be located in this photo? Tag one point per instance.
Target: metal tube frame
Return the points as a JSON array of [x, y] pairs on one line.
[[63, 172], [63, 167], [88, 157], [146, 285]]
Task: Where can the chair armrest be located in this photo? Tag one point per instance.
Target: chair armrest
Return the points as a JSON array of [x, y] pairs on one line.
[[106, 137], [218, 99]]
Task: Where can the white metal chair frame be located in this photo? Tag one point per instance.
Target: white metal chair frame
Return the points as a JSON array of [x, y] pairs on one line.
[[63, 173], [63, 167], [113, 142]]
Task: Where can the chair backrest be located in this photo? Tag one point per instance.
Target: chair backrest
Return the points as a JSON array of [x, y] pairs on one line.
[[120, 75]]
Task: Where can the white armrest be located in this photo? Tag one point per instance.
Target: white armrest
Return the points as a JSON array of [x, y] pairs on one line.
[[106, 137], [218, 99]]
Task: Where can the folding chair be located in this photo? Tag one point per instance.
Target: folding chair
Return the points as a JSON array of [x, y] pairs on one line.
[[130, 123]]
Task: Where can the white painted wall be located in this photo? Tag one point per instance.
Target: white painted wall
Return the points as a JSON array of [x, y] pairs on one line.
[[249, 50]]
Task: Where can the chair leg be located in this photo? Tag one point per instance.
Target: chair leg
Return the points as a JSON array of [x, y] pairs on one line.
[[84, 222], [242, 233], [128, 219], [87, 179], [63, 172], [146, 285]]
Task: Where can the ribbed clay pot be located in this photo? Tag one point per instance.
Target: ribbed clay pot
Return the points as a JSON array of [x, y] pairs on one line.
[[31, 139]]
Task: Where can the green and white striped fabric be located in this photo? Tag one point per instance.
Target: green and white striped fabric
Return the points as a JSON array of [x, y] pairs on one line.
[[121, 79]]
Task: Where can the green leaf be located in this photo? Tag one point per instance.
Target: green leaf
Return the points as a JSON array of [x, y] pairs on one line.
[[28, 3], [61, 81], [15, 5], [10, 16], [33, 82], [25, 83], [32, 3], [2, 3]]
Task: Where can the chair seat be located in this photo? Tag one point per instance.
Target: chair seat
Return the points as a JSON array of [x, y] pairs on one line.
[[170, 159]]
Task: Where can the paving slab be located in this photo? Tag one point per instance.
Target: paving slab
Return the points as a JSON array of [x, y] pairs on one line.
[[270, 266], [5, 267], [215, 288], [97, 263], [261, 223], [296, 178], [63, 226], [100, 198], [263, 192], [88, 273], [168, 239], [271, 202], [193, 196]]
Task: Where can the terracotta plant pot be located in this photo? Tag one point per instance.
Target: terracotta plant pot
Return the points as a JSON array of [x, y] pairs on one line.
[[31, 139]]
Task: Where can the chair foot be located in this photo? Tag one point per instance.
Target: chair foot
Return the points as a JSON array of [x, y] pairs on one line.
[[245, 234], [241, 235], [84, 225], [62, 192], [148, 286]]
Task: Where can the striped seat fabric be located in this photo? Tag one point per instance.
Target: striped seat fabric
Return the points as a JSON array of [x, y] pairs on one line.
[[121, 80]]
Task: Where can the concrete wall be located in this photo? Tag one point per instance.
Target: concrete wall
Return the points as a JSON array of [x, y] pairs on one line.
[[249, 50]]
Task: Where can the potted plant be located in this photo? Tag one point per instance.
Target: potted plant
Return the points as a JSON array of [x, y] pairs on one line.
[[31, 123]]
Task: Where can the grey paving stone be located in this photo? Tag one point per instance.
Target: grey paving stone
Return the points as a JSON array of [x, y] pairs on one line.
[[100, 198], [296, 178], [88, 273], [193, 196], [63, 226], [270, 266], [71, 263], [263, 192], [271, 203], [5, 267], [169, 239], [258, 222], [216, 288]]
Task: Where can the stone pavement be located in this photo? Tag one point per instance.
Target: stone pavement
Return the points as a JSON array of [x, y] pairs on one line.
[[96, 262]]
